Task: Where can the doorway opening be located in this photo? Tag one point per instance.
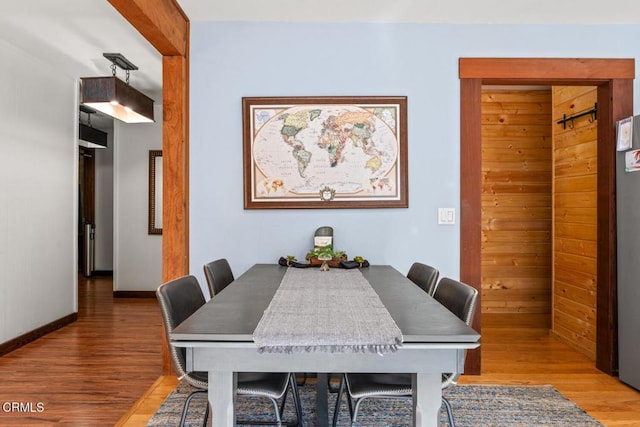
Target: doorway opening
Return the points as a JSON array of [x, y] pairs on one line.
[[96, 198], [539, 205], [613, 79], [86, 210]]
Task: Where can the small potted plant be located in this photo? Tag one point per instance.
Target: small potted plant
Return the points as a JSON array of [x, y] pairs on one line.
[[326, 254], [290, 259]]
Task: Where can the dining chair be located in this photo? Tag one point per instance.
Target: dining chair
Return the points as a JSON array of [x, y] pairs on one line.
[[459, 298], [424, 276], [218, 274], [179, 299]]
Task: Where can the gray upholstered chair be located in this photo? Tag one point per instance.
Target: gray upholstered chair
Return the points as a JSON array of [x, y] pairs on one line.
[[218, 274], [424, 276], [179, 299], [459, 298]]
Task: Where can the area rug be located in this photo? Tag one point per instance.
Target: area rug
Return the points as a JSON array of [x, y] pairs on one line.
[[473, 405]]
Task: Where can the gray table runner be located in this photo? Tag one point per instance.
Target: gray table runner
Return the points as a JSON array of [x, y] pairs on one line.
[[333, 311]]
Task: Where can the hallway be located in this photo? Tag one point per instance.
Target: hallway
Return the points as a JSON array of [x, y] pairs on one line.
[[90, 372]]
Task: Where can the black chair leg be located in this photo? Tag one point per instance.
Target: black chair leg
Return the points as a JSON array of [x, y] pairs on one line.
[[351, 409], [294, 392], [447, 405], [206, 415], [336, 410], [293, 385], [284, 397], [296, 399], [187, 402]]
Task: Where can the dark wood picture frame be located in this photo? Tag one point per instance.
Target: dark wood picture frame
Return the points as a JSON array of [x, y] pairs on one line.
[[155, 191], [385, 113]]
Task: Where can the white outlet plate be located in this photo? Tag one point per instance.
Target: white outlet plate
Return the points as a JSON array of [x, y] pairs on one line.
[[446, 216]]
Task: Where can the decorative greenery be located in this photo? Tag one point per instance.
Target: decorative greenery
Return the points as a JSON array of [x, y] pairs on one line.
[[324, 252]]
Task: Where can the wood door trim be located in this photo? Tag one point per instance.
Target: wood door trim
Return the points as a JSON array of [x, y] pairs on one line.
[[88, 185], [575, 70], [614, 79], [471, 203], [87, 162]]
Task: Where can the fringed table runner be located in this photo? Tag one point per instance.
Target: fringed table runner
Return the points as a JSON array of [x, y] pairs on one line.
[[331, 311]]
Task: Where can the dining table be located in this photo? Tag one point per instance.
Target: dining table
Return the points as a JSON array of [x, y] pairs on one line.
[[220, 338]]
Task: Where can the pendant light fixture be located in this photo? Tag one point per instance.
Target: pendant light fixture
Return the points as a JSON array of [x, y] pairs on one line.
[[115, 97], [89, 136]]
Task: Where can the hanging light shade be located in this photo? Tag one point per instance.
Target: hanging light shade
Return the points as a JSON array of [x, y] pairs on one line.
[[91, 137], [88, 136], [116, 98]]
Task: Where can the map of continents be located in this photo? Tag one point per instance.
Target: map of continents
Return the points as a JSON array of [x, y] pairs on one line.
[[300, 150]]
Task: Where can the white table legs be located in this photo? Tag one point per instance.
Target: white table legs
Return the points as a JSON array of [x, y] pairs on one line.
[[427, 399], [222, 398]]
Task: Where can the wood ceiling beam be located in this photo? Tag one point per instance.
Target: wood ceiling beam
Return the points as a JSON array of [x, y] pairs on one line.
[[162, 22]]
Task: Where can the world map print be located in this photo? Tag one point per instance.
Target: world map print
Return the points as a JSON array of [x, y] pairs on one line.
[[299, 150]]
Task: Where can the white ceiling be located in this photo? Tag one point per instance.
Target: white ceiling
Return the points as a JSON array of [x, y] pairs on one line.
[[73, 34], [433, 11]]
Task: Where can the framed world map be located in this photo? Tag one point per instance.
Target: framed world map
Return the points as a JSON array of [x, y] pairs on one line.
[[325, 152]]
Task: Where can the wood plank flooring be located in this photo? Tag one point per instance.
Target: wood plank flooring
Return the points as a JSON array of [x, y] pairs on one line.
[[90, 372], [104, 369], [533, 357]]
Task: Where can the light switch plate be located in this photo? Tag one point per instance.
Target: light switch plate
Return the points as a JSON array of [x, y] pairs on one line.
[[446, 216]]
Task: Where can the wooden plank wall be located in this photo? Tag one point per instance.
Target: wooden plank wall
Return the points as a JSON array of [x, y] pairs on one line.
[[516, 207], [575, 204]]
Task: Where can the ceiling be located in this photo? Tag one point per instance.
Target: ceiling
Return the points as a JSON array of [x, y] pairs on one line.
[[432, 11], [72, 35]]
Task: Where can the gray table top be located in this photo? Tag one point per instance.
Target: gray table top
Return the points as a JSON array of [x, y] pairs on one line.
[[235, 312]]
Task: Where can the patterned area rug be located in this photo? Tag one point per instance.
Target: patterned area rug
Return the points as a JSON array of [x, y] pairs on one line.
[[473, 405]]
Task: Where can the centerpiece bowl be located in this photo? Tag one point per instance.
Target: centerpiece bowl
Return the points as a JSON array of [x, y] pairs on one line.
[[332, 259]]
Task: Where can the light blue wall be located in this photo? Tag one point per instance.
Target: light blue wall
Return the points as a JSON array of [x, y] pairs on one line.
[[420, 61]]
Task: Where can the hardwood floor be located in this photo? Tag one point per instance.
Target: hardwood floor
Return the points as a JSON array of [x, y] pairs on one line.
[[533, 357], [90, 372], [104, 369]]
